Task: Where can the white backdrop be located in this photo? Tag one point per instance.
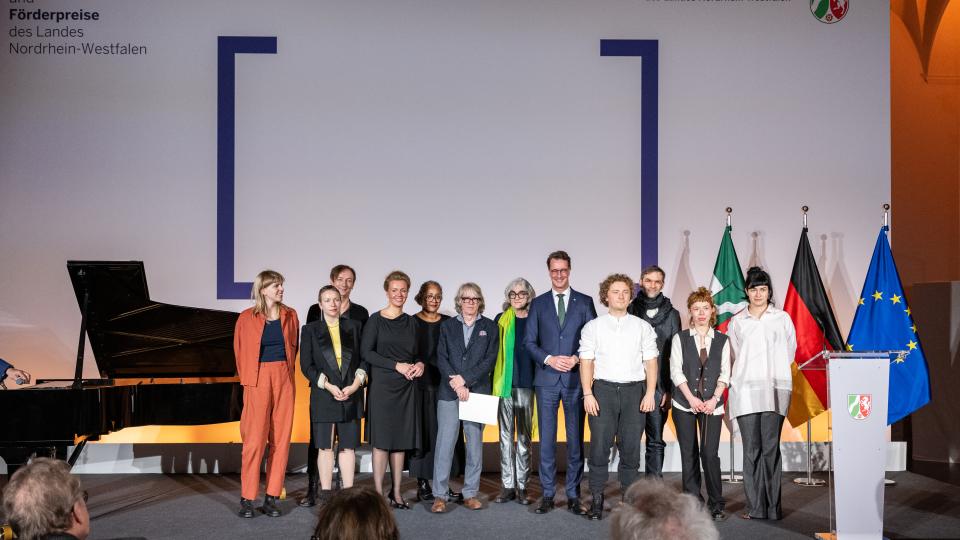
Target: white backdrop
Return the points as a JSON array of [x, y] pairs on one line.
[[454, 140]]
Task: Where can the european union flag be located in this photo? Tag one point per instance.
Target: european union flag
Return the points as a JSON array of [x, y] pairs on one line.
[[883, 322]]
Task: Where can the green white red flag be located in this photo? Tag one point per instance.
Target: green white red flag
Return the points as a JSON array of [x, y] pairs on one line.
[[726, 285]]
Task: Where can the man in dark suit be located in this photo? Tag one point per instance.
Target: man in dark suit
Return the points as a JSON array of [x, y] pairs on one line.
[[553, 337]]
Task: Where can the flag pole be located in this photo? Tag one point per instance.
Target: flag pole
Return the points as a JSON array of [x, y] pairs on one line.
[[733, 477], [809, 481], [886, 227]]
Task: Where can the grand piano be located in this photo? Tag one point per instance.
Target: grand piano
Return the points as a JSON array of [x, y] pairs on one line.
[[159, 363]]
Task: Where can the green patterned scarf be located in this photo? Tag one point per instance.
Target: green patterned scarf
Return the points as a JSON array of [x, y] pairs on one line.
[[503, 369]]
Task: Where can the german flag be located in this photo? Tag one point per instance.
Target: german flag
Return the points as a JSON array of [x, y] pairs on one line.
[[817, 329]]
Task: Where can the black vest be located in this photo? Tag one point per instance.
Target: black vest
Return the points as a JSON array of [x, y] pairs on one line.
[[691, 366]]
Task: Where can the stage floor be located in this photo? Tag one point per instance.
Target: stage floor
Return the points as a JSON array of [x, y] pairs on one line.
[[203, 506]]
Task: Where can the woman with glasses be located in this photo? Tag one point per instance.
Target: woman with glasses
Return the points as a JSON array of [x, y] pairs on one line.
[[513, 383], [389, 345], [428, 322]]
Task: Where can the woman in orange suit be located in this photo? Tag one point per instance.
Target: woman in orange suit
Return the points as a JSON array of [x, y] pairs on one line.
[[265, 344]]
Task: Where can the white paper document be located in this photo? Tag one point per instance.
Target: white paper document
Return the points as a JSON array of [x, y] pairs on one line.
[[480, 408]]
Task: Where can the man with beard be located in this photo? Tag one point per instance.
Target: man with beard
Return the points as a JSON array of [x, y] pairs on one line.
[[655, 308]]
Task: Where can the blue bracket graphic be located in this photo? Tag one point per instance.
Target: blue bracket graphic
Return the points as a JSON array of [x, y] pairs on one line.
[[649, 51], [228, 47]]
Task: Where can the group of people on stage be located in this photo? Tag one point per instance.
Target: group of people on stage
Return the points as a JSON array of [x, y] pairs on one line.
[[622, 371]]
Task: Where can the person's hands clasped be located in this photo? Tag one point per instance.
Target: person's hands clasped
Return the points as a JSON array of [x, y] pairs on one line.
[[463, 393], [562, 363], [709, 405], [403, 368], [590, 405], [647, 403], [335, 391], [456, 381], [416, 370], [696, 404]]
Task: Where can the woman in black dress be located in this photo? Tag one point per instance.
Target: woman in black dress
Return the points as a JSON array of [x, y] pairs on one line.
[[330, 360], [428, 335], [390, 346]]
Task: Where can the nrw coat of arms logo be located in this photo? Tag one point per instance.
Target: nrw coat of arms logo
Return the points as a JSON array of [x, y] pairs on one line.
[[829, 11], [859, 405]]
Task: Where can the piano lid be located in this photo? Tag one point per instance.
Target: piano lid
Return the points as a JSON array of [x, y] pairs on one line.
[[133, 336]]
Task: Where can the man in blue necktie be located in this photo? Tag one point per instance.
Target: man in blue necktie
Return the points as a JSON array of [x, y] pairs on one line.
[[553, 338]]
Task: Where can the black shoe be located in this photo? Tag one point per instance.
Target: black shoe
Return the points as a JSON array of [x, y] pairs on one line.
[[270, 506], [546, 505], [424, 491], [718, 515], [522, 497], [506, 495], [310, 499], [400, 505], [246, 508], [573, 505], [454, 496], [596, 509]]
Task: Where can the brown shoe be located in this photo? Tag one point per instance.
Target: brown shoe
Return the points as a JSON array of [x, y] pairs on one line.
[[439, 506], [472, 503]]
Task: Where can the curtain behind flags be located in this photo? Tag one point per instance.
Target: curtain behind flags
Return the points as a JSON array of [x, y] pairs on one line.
[[817, 329], [883, 322], [726, 285]]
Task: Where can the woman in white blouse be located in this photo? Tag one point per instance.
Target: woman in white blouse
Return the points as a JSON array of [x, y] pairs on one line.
[[700, 372], [764, 342]]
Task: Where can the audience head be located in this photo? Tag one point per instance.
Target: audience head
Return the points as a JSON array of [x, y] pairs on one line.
[[329, 299], [559, 265], [429, 296], [653, 510], [758, 286], [469, 296], [700, 305], [651, 280], [44, 498], [356, 513], [268, 285], [518, 294]]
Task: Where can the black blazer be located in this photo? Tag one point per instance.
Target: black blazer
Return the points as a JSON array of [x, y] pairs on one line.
[[473, 362], [317, 356]]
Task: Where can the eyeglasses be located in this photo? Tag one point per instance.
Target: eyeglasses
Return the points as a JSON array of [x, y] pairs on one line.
[[431, 297], [522, 294], [469, 299], [560, 271]]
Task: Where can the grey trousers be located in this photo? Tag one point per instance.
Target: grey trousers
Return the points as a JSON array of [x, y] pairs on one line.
[[515, 416], [762, 467], [448, 429], [619, 417]]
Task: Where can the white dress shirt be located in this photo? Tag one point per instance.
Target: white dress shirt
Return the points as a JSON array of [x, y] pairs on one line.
[[676, 364], [620, 347], [763, 349]]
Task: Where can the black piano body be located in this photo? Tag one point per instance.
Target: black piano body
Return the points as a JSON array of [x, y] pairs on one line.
[[161, 365]]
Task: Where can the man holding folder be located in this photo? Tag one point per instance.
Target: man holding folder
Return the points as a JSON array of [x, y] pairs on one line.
[[465, 357]]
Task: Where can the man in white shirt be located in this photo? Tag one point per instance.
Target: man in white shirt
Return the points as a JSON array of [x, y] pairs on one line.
[[618, 354]]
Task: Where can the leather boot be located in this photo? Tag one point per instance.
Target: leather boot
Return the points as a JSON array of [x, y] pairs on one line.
[[311, 497], [596, 509], [424, 491]]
